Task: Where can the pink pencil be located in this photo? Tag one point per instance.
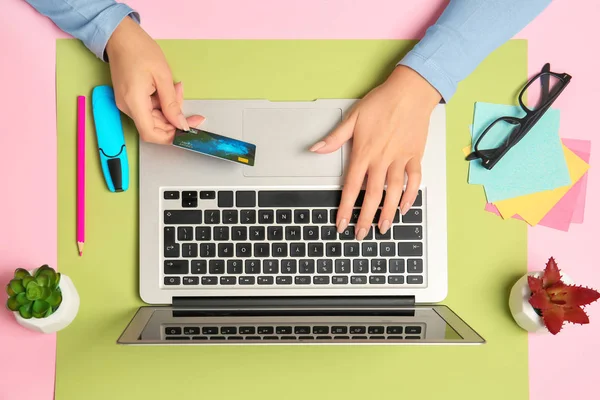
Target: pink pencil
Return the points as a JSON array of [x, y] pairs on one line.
[[80, 173]]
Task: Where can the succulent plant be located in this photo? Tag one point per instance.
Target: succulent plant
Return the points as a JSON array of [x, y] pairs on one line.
[[556, 301], [36, 296]]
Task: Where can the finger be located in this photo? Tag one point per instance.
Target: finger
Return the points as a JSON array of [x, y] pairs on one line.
[[395, 184], [169, 103], [340, 135], [413, 172], [352, 187], [196, 120], [140, 107], [373, 194], [161, 122]]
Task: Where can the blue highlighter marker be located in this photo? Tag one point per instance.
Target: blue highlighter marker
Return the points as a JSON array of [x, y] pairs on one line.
[[111, 141]]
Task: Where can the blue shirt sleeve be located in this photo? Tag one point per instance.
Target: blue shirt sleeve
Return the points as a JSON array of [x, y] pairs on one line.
[[92, 22], [465, 34]]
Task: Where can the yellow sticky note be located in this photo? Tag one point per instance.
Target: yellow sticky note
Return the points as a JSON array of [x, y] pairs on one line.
[[533, 207]]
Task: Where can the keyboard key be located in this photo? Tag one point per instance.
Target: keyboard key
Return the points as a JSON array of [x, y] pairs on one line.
[[176, 267], [301, 216], [299, 198], [359, 280], [396, 280], [239, 233], [284, 330], [413, 330], [275, 233], [333, 216], [385, 236], [216, 267], [243, 249], [410, 249], [221, 233], [189, 203], [225, 250], [414, 279], [247, 330], [248, 216], [324, 266], [339, 280], [182, 217], [227, 280], [210, 330], [235, 267], [320, 330], [246, 280], [370, 234], [302, 280], [307, 266], [228, 330], [387, 249], [378, 266], [302, 330], [319, 216], [315, 250], [358, 330], [292, 233], [169, 235], [230, 217], [341, 337], [257, 233], [360, 266], [377, 337], [376, 330], [396, 266], [265, 330], [190, 194], [414, 266], [172, 280], [203, 233], [288, 338], [412, 216], [419, 200], [207, 195], [217, 338], [351, 250], [394, 330], [261, 250], [339, 329], [199, 267], [270, 337], [270, 267], [288, 266], [189, 250], [173, 330], [265, 280], [408, 232], [311, 233], [212, 217], [265, 216], [209, 280], [252, 267], [359, 337], [283, 280], [171, 251], [348, 233], [328, 233], [297, 250], [191, 280], [171, 195], [245, 198], [333, 249], [225, 198], [177, 338], [279, 250], [377, 279], [342, 266], [369, 249], [321, 280], [283, 216]]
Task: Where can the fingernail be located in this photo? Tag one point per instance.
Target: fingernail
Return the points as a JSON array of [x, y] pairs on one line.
[[405, 208], [183, 122], [318, 146], [362, 233], [385, 226], [342, 225]]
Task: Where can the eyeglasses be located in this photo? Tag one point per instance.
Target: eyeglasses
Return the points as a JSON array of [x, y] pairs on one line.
[[505, 132]]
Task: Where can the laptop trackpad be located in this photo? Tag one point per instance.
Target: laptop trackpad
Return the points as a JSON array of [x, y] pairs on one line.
[[283, 137]]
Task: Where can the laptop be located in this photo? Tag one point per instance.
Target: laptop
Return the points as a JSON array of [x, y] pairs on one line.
[[234, 254]]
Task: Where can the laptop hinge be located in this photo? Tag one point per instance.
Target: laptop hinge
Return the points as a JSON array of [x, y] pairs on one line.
[[295, 302]]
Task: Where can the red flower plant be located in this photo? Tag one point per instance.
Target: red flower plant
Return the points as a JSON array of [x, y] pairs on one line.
[[558, 302]]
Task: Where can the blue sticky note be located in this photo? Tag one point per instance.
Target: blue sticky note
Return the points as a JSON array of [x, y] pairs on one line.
[[535, 164]]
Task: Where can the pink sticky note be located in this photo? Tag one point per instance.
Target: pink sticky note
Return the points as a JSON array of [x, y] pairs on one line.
[[583, 149]]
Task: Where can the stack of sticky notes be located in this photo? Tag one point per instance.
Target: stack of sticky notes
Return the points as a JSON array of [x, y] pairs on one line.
[[541, 180]]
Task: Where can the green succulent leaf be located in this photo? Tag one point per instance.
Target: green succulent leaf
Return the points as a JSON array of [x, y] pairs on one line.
[[25, 311], [34, 291], [55, 298], [42, 280], [22, 298], [57, 279], [26, 280], [21, 273], [49, 312], [17, 286], [9, 291], [40, 306], [12, 304]]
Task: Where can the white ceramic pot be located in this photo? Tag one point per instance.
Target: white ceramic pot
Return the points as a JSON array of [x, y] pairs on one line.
[[523, 313], [64, 314]]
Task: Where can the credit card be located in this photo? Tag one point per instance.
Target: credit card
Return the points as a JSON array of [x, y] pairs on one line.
[[214, 145]]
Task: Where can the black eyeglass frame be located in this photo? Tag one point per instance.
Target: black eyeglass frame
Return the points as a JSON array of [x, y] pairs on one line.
[[490, 157]]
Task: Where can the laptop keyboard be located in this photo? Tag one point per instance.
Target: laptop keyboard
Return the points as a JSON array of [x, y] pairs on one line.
[[293, 332], [221, 238]]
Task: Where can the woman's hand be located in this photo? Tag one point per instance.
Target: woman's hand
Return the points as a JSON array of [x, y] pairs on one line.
[[143, 84], [389, 129]]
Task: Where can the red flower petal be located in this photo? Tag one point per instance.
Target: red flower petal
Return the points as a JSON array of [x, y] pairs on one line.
[[553, 319], [576, 315], [571, 295], [540, 300], [535, 284], [551, 273]]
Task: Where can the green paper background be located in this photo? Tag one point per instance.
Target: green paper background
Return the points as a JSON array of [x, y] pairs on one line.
[[482, 267]]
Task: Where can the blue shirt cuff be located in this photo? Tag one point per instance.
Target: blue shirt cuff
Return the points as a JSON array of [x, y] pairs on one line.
[[431, 72], [106, 23]]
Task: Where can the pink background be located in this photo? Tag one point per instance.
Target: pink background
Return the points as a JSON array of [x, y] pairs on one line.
[[560, 367]]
